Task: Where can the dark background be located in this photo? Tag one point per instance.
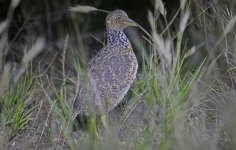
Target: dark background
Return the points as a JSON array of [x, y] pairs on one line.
[[51, 20]]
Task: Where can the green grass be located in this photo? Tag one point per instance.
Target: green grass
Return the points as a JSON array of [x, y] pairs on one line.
[[17, 107], [187, 106]]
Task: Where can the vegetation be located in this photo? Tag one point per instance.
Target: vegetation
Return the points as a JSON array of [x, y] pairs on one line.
[[183, 98]]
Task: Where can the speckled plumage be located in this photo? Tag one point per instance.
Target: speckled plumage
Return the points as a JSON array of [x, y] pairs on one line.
[[113, 69]]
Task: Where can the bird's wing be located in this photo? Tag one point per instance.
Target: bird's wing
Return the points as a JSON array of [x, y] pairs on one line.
[[110, 71]]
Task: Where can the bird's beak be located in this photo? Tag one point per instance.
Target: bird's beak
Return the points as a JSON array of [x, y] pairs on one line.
[[130, 22]]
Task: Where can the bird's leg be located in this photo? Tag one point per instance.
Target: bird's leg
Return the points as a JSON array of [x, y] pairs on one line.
[[93, 128], [104, 119]]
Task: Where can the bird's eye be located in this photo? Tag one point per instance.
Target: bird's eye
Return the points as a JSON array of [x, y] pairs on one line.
[[118, 17]]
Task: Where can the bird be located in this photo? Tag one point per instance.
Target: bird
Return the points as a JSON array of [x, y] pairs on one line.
[[113, 69]]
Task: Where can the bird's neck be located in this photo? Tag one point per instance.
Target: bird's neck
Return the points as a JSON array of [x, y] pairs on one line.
[[117, 37]]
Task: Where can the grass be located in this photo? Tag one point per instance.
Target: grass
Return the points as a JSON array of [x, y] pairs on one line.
[[16, 106], [171, 105]]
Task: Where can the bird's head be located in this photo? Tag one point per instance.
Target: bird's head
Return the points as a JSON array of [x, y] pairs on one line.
[[118, 20]]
